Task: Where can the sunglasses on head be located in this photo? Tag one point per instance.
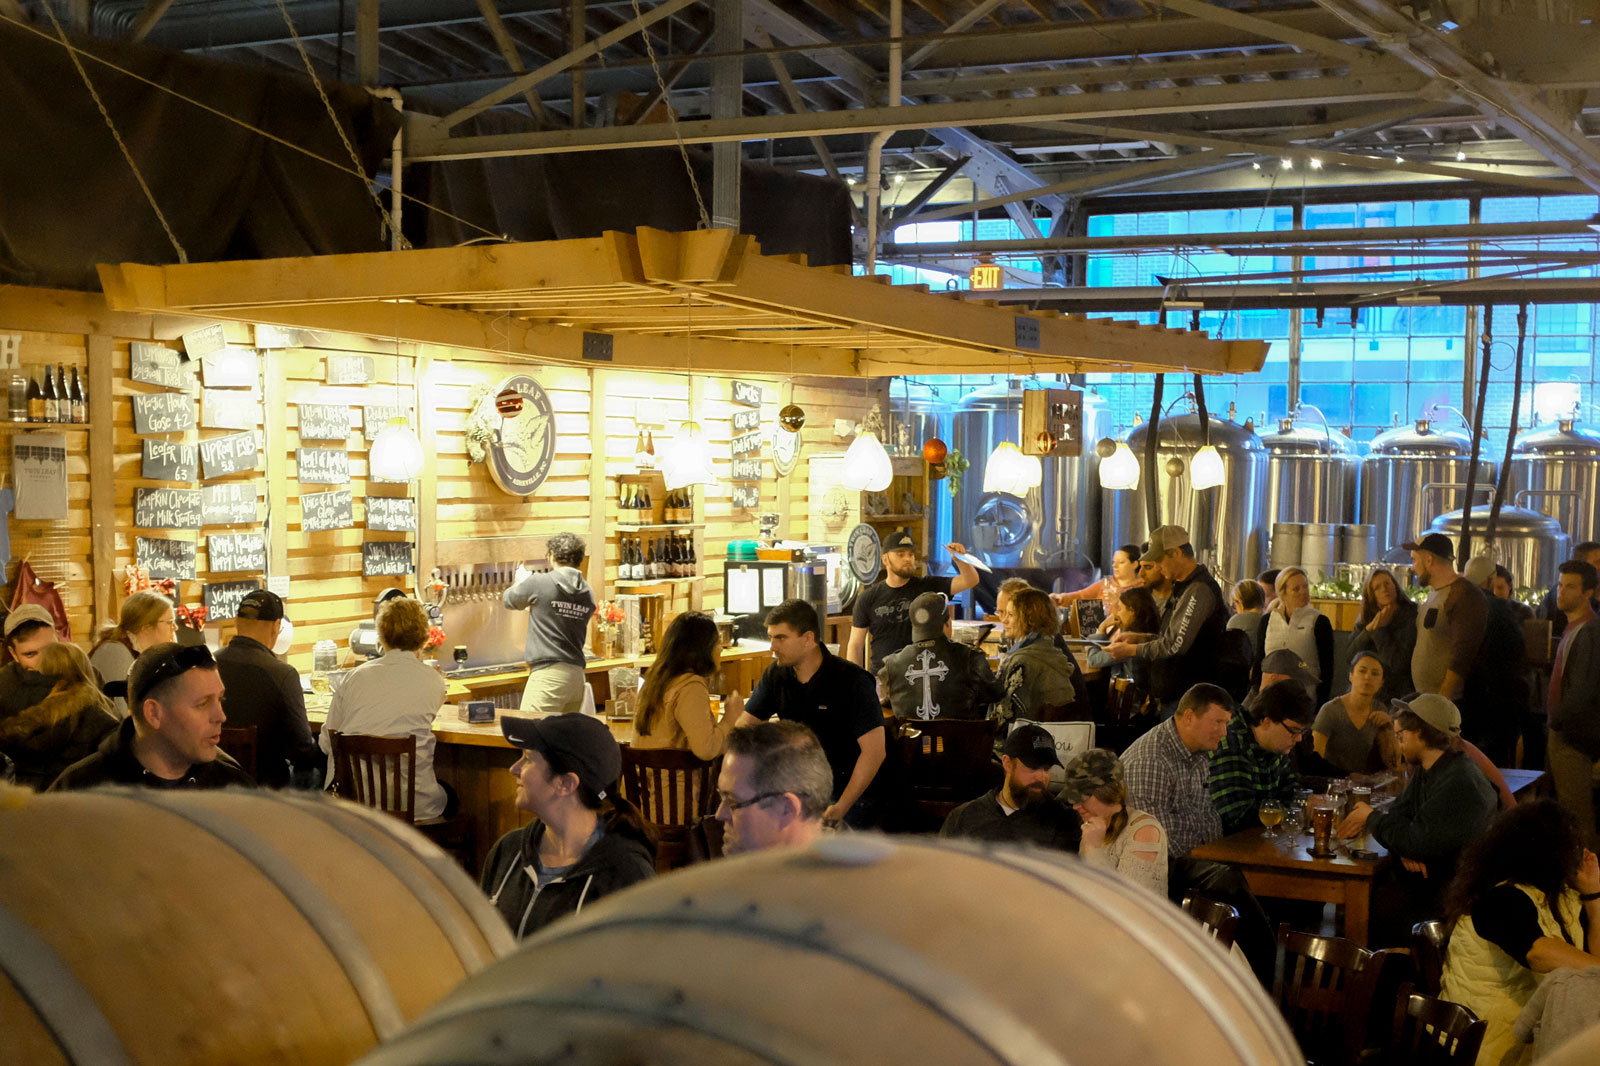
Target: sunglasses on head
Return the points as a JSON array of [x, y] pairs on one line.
[[180, 662]]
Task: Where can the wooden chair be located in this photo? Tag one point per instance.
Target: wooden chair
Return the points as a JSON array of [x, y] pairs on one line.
[[381, 772], [672, 789], [1434, 1032], [1428, 941], [943, 764], [1219, 918], [1324, 986], [240, 742]]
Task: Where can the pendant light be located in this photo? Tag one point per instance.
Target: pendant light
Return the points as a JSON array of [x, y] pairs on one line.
[[687, 459], [1010, 471], [1205, 469], [867, 467], [396, 453], [1120, 470]]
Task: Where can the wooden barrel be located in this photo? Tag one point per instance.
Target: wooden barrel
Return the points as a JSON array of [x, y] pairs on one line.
[[863, 950], [187, 929]]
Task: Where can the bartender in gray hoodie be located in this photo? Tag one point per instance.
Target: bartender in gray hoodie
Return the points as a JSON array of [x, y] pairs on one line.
[[559, 603]]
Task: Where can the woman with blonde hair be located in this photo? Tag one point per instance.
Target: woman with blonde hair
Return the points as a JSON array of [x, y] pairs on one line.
[[146, 619], [65, 726], [1294, 624]]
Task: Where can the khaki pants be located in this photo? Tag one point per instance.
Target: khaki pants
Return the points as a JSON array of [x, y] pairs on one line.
[[1573, 772], [555, 687]]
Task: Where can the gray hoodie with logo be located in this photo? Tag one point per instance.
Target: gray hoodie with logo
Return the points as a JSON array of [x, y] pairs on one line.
[[559, 604]]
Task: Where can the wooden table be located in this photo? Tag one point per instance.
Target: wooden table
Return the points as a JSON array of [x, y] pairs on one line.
[[1283, 869], [1527, 785]]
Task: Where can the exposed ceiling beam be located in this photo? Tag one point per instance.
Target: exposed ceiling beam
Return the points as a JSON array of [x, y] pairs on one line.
[[153, 10], [1272, 31], [1276, 295], [797, 105], [674, 74], [513, 58]]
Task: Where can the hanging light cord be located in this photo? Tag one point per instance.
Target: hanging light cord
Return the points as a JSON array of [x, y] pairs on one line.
[[150, 197], [672, 117]]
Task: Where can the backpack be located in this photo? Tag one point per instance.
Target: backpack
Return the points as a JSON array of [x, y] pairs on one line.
[[1234, 661]]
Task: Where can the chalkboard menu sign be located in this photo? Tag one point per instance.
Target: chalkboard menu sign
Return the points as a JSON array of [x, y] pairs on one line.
[[229, 410], [155, 365], [389, 558], [745, 421], [233, 503], [747, 497], [377, 415], [746, 444], [201, 342], [746, 470], [747, 393], [324, 421], [322, 466], [394, 513], [228, 553], [222, 599], [1091, 616], [166, 508], [350, 369], [326, 510], [163, 412], [229, 455], [165, 558], [229, 368], [166, 460]]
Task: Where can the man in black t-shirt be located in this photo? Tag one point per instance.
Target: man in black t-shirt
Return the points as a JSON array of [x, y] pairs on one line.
[[836, 699], [884, 608]]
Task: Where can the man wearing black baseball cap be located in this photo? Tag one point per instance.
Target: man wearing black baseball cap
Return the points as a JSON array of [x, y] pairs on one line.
[[263, 691], [1021, 810], [883, 609], [169, 739], [1451, 621], [585, 841]]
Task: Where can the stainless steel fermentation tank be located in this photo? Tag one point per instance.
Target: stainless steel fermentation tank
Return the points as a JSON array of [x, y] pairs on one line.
[[1555, 470], [1412, 474], [1527, 543], [1312, 474], [1228, 525], [1057, 526]]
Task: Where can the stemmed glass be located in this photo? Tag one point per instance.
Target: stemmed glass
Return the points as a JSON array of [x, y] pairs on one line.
[[1270, 813]]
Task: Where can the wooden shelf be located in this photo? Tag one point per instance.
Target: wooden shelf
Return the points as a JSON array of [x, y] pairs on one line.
[[629, 527], [24, 426], [869, 518], [633, 584]]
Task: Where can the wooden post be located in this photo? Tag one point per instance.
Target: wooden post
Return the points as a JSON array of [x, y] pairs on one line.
[[785, 490], [102, 479], [367, 42], [428, 483], [598, 489], [275, 430]]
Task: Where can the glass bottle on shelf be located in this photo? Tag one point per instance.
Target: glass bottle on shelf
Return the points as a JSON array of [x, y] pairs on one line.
[[17, 397], [80, 402], [52, 406], [63, 395], [36, 409]]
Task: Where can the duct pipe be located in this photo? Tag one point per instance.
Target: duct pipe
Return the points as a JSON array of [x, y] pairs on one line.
[[1464, 549], [1152, 498], [875, 146], [1511, 434], [397, 242]]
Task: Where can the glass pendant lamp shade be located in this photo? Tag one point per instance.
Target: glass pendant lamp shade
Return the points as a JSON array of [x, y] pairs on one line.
[[1205, 469], [1009, 471], [867, 467], [1120, 470], [396, 452], [688, 459]]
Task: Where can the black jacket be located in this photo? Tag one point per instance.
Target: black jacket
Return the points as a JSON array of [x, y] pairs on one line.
[[261, 690], [1393, 645], [1577, 715], [56, 732], [947, 680], [1049, 823], [115, 764], [621, 857], [1189, 648]]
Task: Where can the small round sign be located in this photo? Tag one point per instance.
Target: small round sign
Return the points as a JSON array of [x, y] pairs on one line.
[[508, 403], [524, 442], [864, 552]]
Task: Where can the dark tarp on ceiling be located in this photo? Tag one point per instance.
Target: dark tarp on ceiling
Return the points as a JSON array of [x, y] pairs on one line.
[[68, 199]]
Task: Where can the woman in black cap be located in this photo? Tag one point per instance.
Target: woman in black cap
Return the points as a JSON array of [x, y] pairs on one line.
[[585, 841]]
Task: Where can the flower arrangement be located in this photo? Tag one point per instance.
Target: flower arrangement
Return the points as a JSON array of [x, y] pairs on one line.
[[436, 637], [607, 617]]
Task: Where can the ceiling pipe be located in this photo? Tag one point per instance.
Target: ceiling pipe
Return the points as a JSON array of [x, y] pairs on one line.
[[875, 148]]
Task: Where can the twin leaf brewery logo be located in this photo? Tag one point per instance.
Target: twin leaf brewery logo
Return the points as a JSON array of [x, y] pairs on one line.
[[521, 444]]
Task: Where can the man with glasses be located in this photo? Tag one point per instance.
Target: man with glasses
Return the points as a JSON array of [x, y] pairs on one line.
[[1252, 765], [169, 739], [774, 786]]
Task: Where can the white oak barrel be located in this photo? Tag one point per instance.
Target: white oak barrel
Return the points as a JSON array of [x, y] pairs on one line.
[[863, 951], [144, 928]]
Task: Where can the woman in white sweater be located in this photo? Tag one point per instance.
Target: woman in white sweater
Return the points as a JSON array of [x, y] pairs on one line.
[[1115, 836]]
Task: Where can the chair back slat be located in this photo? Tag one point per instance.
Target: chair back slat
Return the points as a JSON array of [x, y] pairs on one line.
[[1428, 942], [1324, 987], [240, 742], [1219, 918], [673, 789], [379, 772], [1433, 1032]]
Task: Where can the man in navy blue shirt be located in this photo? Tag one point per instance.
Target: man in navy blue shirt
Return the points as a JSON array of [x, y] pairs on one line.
[[835, 697]]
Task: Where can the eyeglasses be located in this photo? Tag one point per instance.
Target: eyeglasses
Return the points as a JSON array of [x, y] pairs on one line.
[[733, 804], [1296, 731], [179, 662]]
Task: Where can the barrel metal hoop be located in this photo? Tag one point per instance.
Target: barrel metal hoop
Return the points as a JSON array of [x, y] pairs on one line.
[[319, 911], [75, 1021], [440, 900]]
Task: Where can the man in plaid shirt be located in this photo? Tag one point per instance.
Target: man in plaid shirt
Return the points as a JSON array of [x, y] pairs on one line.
[[1252, 762]]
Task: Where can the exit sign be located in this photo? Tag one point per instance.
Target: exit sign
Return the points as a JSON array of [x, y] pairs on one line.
[[986, 276]]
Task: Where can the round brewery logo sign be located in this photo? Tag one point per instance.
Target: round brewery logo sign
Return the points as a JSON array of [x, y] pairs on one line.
[[523, 445]]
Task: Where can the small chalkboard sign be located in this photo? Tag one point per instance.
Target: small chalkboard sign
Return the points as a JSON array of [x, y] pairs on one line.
[[199, 343], [350, 370], [747, 393], [386, 558], [276, 337], [231, 553], [222, 599], [746, 470], [163, 412], [167, 508], [229, 368], [229, 504], [229, 410], [746, 444], [327, 510], [377, 415], [230, 454], [324, 421], [747, 497], [745, 421], [155, 365], [165, 558], [166, 460], [1091, 616], [396, 514], [322, 466]]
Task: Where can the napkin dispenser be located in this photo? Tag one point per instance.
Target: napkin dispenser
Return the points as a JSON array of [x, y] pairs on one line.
[[477, 712]]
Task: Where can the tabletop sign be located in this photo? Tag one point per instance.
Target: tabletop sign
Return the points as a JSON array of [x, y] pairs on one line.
[[322, 466], [163, 412], [165, 460], [746, 470], [199, 343], [165, 558], [167, 508], [229, 368], [321, 511], [745, 421], [747, 393], [397, 514], [746, 497], [155, 365], [229, 410], [230, 454], [230, 504], [231, 553], [350, 370], [386, 558], [374, 416], [747, 444], [324, 421], [222, 599]]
